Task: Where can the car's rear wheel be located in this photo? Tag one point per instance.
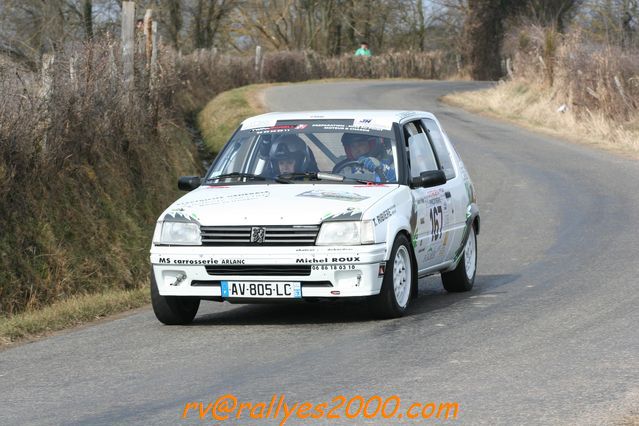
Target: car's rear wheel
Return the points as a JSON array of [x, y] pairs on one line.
[[462, 277], [173, 310], [394, 296]]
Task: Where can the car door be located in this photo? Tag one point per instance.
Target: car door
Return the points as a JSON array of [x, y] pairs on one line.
[[432, 206], [456, 192]]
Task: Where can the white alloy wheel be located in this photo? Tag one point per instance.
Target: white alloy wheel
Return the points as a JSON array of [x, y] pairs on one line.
[[470, 255], [397, 286], [402, 276], [462, 277]]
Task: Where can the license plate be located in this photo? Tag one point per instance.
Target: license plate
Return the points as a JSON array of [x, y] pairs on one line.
[[292, 290]]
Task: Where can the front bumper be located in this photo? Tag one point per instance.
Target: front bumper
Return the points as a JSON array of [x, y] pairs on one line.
[[349, 271]]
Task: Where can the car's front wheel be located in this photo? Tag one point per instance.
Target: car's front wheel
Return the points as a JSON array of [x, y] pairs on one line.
[[462, 277], [173, 310], [394, 297]]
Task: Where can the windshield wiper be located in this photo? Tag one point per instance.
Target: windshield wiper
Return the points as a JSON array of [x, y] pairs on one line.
[[311, 175], [248, 176], [287, 177], [362, 181]]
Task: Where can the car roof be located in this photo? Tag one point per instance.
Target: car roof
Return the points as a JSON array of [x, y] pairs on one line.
[[366, 118]]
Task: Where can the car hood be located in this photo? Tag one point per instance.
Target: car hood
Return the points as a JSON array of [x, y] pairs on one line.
[[271, 204]]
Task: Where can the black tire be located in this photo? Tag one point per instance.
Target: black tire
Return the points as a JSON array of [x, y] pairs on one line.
[[458, 280], [386, 304], [173, 310]]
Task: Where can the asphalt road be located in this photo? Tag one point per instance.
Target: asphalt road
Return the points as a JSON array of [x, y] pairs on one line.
[[549, 335]]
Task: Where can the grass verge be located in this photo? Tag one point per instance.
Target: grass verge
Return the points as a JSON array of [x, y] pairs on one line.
[[534, 107], [224, 113], [69, 313]]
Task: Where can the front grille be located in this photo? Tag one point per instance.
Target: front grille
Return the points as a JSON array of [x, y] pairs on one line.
[[274, 235], [262, 270]]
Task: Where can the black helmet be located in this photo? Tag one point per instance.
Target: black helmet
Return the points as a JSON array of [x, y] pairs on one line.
[[290, 147]]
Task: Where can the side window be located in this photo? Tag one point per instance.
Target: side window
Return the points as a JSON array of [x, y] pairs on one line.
[[234, 156], [420, 152], [440, 147]]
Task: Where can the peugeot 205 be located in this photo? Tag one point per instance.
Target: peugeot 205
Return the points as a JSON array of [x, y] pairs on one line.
[[317, 206]]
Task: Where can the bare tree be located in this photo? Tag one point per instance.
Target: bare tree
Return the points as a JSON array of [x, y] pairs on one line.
[[547, 13], [484, 34], [326, 26], [629, 17], [33, 27], [612, 21], [88, 19], [206, 19], [174, 22], [485, 22]]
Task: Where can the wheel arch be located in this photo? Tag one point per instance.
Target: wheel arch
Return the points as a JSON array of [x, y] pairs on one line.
[[471, 222], [476, 223]]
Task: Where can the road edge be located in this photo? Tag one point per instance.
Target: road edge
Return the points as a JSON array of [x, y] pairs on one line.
[[486, 103]]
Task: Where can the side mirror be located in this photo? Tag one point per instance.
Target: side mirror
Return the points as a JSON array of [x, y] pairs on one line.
[[429, 179], [189, 183]]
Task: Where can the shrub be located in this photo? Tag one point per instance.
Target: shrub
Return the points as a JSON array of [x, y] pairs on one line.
[[588, 77]]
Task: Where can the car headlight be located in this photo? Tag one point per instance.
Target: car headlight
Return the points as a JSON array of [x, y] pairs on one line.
[[346, 233], [179, 233]]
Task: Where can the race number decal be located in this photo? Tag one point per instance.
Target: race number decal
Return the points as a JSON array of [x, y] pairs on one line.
[[436, 223]]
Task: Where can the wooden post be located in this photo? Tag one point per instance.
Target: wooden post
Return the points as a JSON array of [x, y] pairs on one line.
[[258, 62], [47, 75], [148, 35], [128, 41], [509, 68], [622, 92], [113, 67], [46, 92], [154, 54], [73, 61]]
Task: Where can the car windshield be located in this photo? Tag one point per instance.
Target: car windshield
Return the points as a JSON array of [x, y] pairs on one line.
[[295, 151]]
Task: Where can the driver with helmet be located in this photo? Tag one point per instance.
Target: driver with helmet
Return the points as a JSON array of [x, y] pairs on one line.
[[368, 150], [289, 154]]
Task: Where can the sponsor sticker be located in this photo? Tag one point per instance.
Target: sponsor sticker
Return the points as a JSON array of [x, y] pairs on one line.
[[333, 195], [225, 199], [383, 216]]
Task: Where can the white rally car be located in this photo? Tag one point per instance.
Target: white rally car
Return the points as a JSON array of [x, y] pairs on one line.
[[315, 206]]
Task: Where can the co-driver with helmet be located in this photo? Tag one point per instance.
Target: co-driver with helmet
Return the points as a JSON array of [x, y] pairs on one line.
[[369, 152]]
